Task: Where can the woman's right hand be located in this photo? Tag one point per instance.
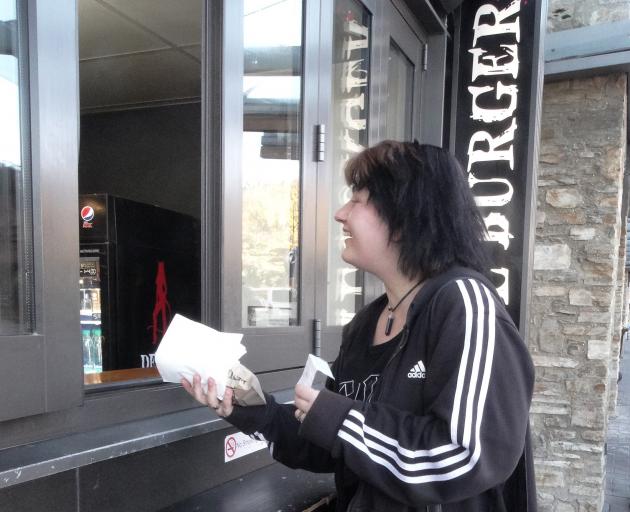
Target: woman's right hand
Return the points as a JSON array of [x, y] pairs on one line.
[[209, 398]]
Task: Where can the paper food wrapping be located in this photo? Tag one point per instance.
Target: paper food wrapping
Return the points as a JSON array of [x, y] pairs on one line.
[[190, 348], [313, 365], [247, 390]]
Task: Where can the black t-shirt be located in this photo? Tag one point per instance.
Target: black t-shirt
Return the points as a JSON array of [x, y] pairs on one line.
[[357, 378], [361, 369]]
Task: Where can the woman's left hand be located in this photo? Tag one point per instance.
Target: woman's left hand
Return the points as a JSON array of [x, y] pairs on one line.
[[304, 398]]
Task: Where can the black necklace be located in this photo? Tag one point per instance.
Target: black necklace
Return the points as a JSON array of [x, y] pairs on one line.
[[390, 317]]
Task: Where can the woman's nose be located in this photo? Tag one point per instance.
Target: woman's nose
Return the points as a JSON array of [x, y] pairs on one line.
[[340, 214]]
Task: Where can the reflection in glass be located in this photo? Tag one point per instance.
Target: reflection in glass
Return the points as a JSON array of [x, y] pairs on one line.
[[350, 91], [399, 95], [15, 252], [271, 162]]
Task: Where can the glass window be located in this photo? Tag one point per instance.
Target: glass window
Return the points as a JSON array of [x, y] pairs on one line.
[[399, 94], [272, 106], [16, 262], [139, 179], [350, 93]]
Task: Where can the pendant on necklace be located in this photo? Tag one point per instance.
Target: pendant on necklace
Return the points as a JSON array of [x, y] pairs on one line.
[[389, 324]]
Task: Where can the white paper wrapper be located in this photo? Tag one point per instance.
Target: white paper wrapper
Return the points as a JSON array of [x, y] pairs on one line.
[[247, 390], [190, 347], [313, 365]]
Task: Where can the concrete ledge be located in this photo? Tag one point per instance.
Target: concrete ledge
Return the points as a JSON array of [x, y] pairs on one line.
[[28, 462], [588, 51]]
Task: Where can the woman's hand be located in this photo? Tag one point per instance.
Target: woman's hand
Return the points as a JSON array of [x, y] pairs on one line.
[[304, 398], [222, 407]]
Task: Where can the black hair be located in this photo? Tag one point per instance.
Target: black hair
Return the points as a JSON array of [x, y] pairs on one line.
[[422, 194]]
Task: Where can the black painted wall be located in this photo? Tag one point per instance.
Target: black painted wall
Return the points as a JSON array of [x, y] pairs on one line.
[[145, 481], [151, 155]]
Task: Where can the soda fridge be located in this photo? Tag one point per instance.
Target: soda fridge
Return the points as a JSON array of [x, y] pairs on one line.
[[139, 265]]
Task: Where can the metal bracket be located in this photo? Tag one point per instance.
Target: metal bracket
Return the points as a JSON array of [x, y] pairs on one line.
[[425, 57], [317, 337], [320, 142]]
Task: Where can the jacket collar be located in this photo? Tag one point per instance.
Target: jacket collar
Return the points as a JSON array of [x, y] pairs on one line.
[[436, 283]]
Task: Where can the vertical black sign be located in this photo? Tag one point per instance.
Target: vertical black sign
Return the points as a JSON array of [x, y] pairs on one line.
[[496, 126]]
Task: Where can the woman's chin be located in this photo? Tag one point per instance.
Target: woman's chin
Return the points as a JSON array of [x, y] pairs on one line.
[[347, 258]]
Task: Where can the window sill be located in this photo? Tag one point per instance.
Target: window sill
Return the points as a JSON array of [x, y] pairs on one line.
[[121, 379], [28, 462], [119, 376]]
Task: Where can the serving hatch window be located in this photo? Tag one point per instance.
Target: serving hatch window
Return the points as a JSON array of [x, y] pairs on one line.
[[139, 179]]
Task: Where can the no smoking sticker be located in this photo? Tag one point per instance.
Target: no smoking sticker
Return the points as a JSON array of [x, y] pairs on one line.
[[238, 445]]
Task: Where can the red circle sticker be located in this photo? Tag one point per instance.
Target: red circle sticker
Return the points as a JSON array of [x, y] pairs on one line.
[[230, 447]]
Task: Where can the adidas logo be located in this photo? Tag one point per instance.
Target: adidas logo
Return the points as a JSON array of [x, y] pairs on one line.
[[418, 371]]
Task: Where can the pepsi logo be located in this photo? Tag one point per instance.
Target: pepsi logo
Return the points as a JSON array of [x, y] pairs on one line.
[[87, 213]]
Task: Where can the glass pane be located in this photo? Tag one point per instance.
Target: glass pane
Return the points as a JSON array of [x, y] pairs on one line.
[[349, 135], [15, 239], [399, 94], [139, 179], [271, 162]]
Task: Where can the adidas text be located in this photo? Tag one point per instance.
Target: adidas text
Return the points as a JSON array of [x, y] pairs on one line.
[[418, 371]]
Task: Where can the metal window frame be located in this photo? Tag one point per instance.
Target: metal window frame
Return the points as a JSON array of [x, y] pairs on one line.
[[270, 349], [51, 356]]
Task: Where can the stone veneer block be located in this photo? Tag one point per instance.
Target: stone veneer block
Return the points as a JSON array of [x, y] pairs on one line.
[[552, 257], [564, 198], [598, 349], [554, 362], [594, 317], [582, 233], [580, 297], [550, 291], [588, 415]]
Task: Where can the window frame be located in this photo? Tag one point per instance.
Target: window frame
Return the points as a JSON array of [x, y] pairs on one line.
[[50, 352], [270, 349]]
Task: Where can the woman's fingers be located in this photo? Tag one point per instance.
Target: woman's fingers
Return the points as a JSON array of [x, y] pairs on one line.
[[186, 385], [227, 406], [304, 397], [198, 393], [299, 415], [300, 404], [213, 400], [209, 397]]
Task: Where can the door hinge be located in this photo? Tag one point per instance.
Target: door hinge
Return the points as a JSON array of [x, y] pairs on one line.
[[317, 337], [425, 57], [320, 142]]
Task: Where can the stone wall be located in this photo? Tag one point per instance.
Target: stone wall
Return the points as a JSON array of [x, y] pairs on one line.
[[575, 282]]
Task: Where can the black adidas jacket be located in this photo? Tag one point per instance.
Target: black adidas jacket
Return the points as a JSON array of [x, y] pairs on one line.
[[454, 439]]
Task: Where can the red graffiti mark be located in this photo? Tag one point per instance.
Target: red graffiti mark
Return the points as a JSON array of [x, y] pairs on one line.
[[230, 447], [162, 307]]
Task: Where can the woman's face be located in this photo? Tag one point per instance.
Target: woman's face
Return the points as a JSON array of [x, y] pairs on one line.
[[366, 235]]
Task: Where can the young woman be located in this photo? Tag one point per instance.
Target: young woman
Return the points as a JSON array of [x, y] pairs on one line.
[[429, 406]]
